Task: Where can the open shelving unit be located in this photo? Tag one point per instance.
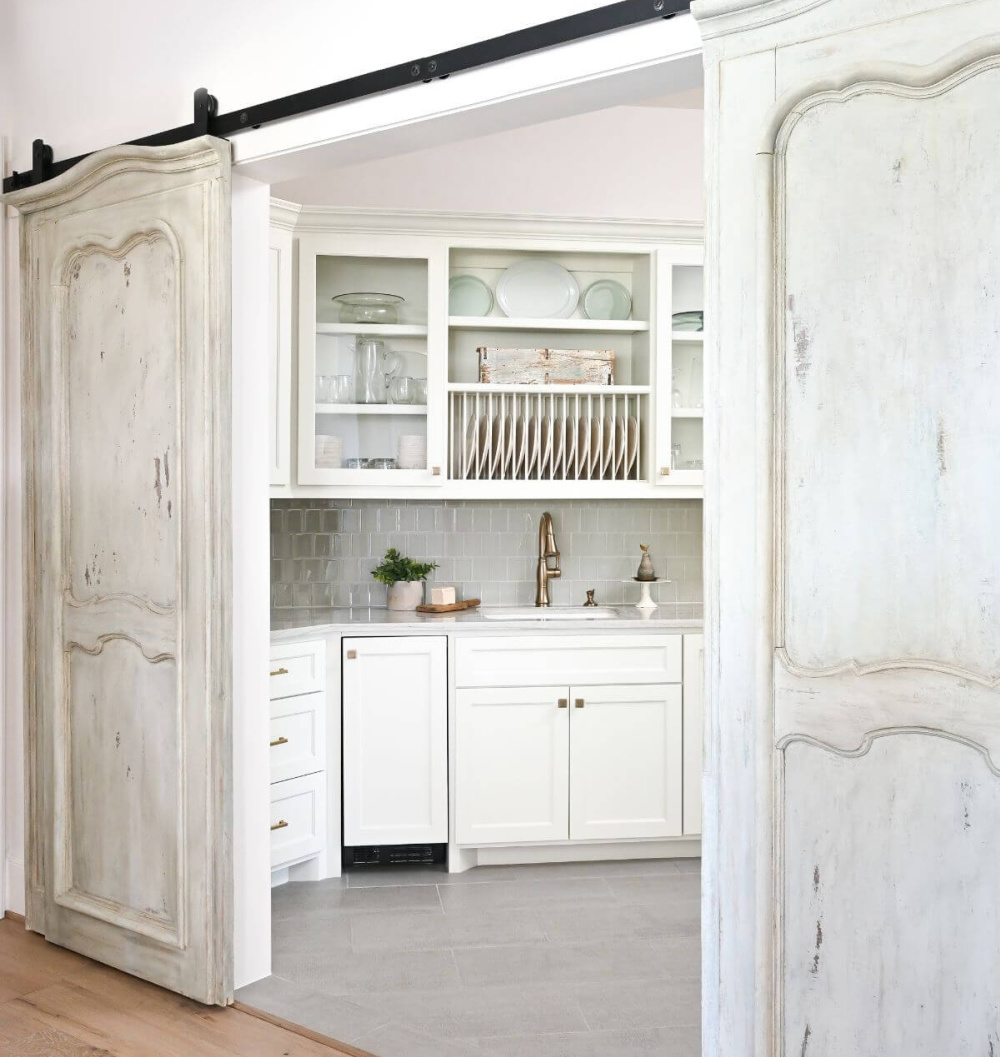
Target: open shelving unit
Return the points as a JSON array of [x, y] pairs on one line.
[[641, 434]]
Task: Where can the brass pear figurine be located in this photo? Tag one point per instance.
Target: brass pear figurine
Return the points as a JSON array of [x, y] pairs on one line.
[[645, 571]]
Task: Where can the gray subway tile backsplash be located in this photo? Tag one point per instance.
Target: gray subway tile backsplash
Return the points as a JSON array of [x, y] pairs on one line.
[[323, 550]]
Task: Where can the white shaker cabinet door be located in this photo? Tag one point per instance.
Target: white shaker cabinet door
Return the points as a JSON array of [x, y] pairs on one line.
[[512, 766], [625, 762], [395, 740]]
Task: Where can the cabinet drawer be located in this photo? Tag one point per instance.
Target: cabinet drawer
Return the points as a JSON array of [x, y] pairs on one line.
[[297, 668], [548, 659], [298, 819], [298, 743]]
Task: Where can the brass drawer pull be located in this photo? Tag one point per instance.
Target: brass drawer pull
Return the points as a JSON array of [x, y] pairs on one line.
[[578, 703], [280, 671], [279, 825], [279, 741], [563, 703]]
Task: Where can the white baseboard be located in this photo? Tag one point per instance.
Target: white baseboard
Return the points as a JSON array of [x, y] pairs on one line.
[[686, 848], [14, 885]]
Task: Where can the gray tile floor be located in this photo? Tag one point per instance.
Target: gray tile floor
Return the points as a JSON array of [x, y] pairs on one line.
[[554, 960]]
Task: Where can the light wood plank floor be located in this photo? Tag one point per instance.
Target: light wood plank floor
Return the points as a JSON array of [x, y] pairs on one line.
[[54, 1003]]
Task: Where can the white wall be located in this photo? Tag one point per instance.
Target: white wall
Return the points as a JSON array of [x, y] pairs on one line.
[[112, 70], [642, 162]]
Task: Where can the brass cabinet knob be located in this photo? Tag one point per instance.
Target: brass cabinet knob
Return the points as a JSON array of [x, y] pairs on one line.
[[436, 471], [279, 741], [563, 703], [578, 703], [664, 471], [280, 671], [352, 655], [282, 824]]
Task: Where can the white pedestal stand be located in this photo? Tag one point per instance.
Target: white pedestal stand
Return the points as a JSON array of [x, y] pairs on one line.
[[645, 597]]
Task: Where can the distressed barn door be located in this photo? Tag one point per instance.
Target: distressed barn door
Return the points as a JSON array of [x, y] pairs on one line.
[[886, 384], [856, 293], [126, 289]]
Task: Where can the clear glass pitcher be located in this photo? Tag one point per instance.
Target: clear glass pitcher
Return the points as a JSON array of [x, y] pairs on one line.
[[374, 365]]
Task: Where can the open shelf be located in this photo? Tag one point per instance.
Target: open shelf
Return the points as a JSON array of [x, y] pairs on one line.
[[371, 409], [600, 326], [375, 330], [687, 412], [688, 335]]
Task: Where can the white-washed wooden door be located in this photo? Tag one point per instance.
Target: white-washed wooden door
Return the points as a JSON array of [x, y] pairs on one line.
[[885, 305], [126, 292]]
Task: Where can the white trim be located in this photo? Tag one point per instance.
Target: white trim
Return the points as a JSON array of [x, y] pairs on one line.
[[468, 225], [614, 68], [585, 851]]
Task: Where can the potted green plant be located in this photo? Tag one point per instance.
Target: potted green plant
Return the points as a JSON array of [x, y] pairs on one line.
[[404, 577]]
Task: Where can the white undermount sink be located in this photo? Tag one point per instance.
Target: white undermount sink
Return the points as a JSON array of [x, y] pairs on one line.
[[549, 613]]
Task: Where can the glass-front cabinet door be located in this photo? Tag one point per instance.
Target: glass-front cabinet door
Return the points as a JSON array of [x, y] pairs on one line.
[[370, 393], [681, 373]]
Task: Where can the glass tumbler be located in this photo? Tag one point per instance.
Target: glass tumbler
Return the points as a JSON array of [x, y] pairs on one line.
[[401, 390], [324, 388], [420, 390], [342, 389]]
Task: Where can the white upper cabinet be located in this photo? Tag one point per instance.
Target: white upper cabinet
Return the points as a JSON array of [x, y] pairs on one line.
[[370, 359], [512, 364]]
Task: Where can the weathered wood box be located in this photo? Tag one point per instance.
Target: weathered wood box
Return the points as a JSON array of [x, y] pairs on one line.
[[546, 366]]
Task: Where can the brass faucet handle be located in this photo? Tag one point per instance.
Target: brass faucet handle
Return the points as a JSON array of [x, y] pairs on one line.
[[590, 598]]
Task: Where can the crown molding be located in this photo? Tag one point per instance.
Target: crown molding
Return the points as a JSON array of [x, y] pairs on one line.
[[293, 217]]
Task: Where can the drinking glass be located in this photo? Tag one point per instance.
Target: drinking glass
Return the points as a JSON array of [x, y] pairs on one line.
[[401, 390], [324, 388], [343, 389], [420, 390]]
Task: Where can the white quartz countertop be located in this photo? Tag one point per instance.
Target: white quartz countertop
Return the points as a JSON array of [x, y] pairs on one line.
[[293, 623]]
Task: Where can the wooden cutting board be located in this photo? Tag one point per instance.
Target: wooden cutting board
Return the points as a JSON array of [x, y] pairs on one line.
[[455, 607]]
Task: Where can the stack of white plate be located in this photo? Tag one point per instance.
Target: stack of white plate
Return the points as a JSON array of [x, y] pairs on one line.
[[412, 452], [328, 452]]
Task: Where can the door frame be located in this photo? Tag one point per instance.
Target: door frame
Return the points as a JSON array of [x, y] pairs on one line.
[[588, 75]]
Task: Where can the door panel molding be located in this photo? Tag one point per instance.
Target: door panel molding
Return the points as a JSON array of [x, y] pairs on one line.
[[128, 582], [895, 688]]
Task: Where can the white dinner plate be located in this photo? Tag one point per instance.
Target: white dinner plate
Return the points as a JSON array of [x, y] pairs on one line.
[[558, 440], [517, 462], [595, 449], [633, 446], [583, 448], [607, 448], [496, 465], [538, 289], [469, 453], [545, 463], [618, 474], [469, 296], [569, 449], [507, 469], [484, 446], [531, 459]]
